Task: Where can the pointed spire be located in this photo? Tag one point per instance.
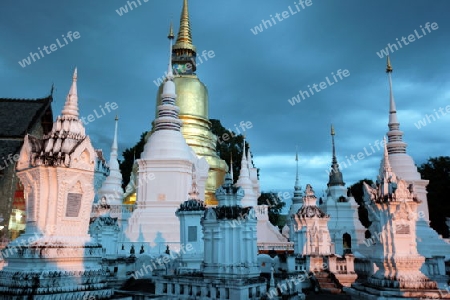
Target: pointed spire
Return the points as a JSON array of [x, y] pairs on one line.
[[392, 109], [386, 163], [334, 160], [244, 156], [168, 118], [170, 37], [113, 162], [244, 173], [296, 186], [231, 166], [112, 186], [184, 39], [71, 105], [335, 178], [395, 144]]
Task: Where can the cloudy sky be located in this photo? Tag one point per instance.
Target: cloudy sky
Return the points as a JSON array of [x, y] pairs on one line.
[[251, 77]]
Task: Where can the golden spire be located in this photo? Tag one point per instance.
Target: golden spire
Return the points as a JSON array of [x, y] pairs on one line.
[[184, 39], [389, 67], [171, 36], [332, 130]]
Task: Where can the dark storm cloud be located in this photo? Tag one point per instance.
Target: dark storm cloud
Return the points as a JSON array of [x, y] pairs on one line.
[[252, 77]]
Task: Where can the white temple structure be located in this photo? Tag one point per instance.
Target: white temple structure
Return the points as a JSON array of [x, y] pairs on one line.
[[430, 244], [346, 231], [229, 269], [309, 229], [269, 236], [393, 211], [165, 176], [244, 181], [190, 213], [56, 258], [111, 188]]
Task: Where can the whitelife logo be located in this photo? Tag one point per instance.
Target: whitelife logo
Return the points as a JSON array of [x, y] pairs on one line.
[[52, 48]]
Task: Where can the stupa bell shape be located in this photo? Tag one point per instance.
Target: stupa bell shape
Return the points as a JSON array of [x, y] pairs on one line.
[[164, 175], [192, 100], [402, 164]]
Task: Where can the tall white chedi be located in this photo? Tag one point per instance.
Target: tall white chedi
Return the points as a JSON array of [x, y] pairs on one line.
[[392, 207], [429, 242], [110, 217], [346, 231], [111, 188], [55, 256], [165, 176], [229, 234], [244, 181], [403, 164], [253, 174]]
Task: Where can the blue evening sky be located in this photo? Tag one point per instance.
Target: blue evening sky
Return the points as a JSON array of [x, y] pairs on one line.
[[252, 76]]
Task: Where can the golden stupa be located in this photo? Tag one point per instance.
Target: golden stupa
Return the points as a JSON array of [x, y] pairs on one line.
[[192, 99]]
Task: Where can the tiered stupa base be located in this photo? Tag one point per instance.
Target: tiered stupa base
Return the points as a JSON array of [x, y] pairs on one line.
[[51, 270]]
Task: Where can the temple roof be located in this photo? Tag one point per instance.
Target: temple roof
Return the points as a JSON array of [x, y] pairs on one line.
[[18, 117]]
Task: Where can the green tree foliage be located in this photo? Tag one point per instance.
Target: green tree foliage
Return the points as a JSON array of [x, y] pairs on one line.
[[229, 144], [437, 171], [357, 191], [126, 165], [275, 206]]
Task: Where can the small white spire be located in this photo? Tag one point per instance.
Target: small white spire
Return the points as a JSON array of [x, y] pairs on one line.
[[296, 187], [395, 136], [244, 162], [112, 186], [168, 118], [392, 109], [171, 37], [113, 162], [231, 167], [71, 105], [387, 165]]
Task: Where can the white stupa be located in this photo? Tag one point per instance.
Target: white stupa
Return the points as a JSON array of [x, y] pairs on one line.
[[165, 176], [244, 181], [55, 258], [346, 231], [112, 186], [429, 242]]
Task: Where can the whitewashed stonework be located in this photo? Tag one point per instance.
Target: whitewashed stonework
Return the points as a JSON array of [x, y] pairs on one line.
[[393, 211], [346, 231], [250, 199], [111, 188], [165, 177], [55, 258], [229, 233], [190, 213], [230, 269], [101, 171], [309, 227]]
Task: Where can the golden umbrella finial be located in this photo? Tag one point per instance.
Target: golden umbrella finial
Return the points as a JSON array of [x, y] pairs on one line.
[[389, 67], [171, 35]]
